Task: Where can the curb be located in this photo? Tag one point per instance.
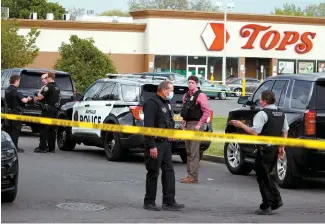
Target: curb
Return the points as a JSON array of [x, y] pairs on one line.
[[214, 159]]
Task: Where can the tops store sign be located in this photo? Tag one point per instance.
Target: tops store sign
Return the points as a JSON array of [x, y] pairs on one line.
[[271, 39]]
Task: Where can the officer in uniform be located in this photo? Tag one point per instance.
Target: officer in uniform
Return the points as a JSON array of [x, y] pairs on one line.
[[50, 102], [270, 121], [157, 113], [15, 101]]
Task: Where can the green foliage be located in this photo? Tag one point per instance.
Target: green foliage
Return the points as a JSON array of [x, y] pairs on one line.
[[20, 9], [17, 50], [115, 12], [84, 61], [312, 10], [194, 5]]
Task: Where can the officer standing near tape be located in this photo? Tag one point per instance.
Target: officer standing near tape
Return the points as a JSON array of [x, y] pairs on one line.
[[15, 102], [158, 113], [270, 121], [50, 98]]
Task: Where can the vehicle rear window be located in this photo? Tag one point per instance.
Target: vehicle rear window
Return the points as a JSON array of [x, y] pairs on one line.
[[320, 93], [300, 94], [32, 80], [150, 90]]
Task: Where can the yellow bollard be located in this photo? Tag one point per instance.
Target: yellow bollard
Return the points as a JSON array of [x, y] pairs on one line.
[[211, 78], [243, 87]]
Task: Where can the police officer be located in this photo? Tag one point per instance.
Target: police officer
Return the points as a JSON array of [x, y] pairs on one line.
[[270, 121], [15, 101], [157, 113], [50, 101]]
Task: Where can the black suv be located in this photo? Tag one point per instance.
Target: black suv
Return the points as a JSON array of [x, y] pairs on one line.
[[301, 97], [118, 101], [30, 83]]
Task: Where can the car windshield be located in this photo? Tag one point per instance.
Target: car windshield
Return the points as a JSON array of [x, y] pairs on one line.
[[32, 80], [150, 90], [320, 93]]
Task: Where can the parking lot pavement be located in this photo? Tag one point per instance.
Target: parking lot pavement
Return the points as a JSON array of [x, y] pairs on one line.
[[85, 176], [221, 108]]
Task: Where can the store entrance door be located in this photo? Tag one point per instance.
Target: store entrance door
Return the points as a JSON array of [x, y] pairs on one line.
[[199, 70]]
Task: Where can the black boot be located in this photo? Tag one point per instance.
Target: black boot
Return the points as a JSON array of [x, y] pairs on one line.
[[173, 207], [152, 207]]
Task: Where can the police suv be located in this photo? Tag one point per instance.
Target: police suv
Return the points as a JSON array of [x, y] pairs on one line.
[[301, 97], [118, 101]]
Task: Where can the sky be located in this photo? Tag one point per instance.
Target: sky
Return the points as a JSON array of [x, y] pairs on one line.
[[241, 6]]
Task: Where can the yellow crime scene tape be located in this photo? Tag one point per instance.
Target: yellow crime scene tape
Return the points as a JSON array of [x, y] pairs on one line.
[[174, 133]]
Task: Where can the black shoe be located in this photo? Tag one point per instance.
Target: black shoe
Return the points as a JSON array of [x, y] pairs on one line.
[[20, 150], [51, 151], [173, 207], [277, 205], [151, 207], [267, 211], [38, 150]]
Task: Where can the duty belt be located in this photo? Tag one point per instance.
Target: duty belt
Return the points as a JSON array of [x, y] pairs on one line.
[[160, 139]]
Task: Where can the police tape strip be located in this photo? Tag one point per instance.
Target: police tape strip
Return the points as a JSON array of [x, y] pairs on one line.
[[173, 133]]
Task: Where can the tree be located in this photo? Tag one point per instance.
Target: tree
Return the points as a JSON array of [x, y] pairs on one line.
[[76, 12], [114, 13], [22, 8], [17, 50], [84, 61], [294, 10]]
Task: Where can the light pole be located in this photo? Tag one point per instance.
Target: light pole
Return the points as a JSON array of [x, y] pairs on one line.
[[228, 6]]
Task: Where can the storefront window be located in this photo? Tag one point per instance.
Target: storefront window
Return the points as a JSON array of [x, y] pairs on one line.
[[162, 63], [306, 66], [286, 67], [321, 66], [179, 65], [195, 60], [232, 68], [215, 68]]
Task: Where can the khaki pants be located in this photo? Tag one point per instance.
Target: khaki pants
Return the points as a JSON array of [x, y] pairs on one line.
[[193, 152]]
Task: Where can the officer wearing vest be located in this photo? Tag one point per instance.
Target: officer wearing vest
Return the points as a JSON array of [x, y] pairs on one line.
[[195, 112], [50, 102], [270, 121], [158, 113], [15, 102]]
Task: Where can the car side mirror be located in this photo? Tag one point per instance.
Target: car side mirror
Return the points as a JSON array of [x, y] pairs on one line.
[[76, 97]]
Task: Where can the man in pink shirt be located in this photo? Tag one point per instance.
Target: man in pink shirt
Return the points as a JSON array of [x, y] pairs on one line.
[[195, 113]]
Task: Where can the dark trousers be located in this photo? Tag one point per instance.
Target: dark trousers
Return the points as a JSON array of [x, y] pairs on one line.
[[48, 132], [163, 161], [13, 128], [265, 161]]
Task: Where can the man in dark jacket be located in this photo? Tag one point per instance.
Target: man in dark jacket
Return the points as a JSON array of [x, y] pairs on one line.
[[158, 113]]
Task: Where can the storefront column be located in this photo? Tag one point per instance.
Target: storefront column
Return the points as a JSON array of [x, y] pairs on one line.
[[273, 67], [241, 65], [149, 62]]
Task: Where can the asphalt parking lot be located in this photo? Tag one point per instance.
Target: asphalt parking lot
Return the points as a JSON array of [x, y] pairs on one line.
[[116, 189], [221, 108]]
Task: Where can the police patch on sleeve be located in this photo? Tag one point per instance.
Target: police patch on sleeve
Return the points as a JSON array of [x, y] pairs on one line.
[[46, 88]]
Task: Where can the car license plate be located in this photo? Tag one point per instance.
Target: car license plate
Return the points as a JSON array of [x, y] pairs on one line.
[[177, 117]]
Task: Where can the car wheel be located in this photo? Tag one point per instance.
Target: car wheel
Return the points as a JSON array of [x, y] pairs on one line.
[[238, 92], [234, 160], [222, 96], [284, 174], [64, 139], [112, 146], [183, 155]]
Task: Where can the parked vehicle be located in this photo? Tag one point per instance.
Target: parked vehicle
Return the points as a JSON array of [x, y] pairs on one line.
[[214, 90], [301, 97], [235, 85], [30, 83], [9, 169], [118, 101]]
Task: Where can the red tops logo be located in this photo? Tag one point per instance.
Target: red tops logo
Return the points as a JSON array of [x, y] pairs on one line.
[[273, 38]]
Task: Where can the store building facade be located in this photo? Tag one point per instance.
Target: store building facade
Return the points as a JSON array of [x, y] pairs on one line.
[[184, 42]]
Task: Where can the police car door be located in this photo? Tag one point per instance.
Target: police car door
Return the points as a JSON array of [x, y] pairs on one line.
[[82, 108]]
